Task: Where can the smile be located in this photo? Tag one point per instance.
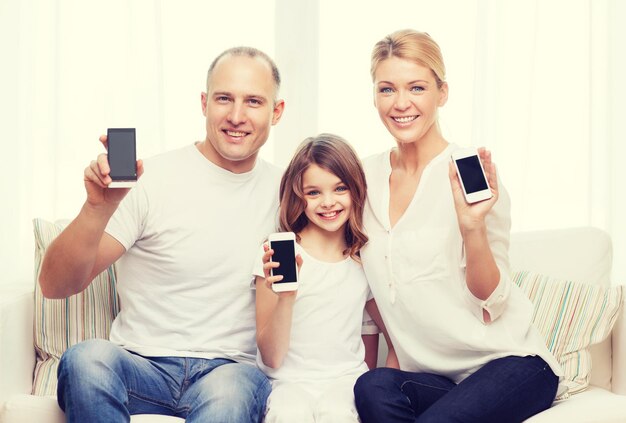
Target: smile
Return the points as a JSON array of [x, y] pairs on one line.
[[405, 119], [235, 134], [329, 215]]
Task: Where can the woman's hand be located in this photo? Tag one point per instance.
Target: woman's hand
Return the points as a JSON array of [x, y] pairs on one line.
[[472, 216]]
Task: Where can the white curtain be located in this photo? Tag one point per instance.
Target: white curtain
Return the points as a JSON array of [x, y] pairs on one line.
[[538, 82], [71, 69]]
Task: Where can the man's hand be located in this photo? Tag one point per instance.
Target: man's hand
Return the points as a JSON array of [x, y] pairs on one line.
[[97, 180]]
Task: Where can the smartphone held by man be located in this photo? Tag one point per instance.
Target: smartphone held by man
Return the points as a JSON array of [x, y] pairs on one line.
[[122, 156]]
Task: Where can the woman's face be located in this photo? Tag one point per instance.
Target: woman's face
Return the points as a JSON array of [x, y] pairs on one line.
[[407, 98]]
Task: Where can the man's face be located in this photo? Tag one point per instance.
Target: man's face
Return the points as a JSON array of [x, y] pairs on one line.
[[239, 108]]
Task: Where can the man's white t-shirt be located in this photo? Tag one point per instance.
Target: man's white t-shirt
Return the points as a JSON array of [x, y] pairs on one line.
[[191, 231]]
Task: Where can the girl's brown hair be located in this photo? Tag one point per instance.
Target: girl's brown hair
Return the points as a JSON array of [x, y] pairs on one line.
[[334, 154]]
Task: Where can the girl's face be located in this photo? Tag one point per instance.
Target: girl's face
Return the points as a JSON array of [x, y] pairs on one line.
[[407, 98], [328, 199]]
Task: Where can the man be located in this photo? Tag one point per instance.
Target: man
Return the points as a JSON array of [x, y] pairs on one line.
[[186, 237]]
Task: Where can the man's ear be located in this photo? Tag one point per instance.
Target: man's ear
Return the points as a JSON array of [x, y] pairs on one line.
[[203, 100], [279, 107]]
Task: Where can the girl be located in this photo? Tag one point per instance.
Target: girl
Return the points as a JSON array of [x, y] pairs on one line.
[[438, 267], [310, 340]]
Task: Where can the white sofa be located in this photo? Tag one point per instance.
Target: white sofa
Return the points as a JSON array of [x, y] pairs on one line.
[[581, 254]]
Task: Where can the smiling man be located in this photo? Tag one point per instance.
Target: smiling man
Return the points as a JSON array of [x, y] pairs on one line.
[[240, 105], [184, 240]]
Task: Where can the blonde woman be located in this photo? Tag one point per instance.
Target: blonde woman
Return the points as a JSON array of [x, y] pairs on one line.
[[438, 267]]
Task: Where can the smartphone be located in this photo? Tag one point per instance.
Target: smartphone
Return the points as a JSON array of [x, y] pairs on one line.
[[122, 156], [472, 175], [284, 246]]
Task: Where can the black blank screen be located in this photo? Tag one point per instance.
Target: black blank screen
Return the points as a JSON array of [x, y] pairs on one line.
[[285, 254], [122, 156], [471, 174]]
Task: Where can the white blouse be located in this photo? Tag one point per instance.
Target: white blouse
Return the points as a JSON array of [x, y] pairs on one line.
[[416, 271]]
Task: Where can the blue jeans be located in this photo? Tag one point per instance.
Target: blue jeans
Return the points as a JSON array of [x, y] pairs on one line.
[[506, 390], [101, 382]]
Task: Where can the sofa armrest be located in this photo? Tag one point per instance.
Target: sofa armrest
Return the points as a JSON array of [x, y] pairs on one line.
[[17, 351], [618, 339]]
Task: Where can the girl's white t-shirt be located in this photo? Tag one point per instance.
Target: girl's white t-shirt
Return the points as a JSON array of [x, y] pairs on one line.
[[325, 338]]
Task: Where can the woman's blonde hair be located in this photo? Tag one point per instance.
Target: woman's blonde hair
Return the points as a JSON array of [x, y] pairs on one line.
[[411, 45], [334, 154]]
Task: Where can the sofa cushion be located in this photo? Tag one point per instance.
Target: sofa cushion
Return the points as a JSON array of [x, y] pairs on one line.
[[17, 351], [29, 408], [594, 405], [571, 316], [59, 324]]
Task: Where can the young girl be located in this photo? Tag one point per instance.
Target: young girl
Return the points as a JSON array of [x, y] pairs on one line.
[[309, 340]]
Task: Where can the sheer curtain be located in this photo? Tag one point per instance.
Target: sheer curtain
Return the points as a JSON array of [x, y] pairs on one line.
[[538, 82], [71, 69]]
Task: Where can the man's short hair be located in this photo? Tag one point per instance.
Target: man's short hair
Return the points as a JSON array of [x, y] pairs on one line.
[[249, 52]]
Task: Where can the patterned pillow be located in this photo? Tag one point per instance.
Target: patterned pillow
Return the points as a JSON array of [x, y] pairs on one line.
[[571, 316], [59, 324]]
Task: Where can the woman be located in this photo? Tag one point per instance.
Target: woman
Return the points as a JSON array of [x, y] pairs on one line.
[[438, 267]]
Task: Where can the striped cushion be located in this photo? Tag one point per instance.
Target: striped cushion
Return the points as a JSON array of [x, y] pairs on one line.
[[571, 316], [59, 324]]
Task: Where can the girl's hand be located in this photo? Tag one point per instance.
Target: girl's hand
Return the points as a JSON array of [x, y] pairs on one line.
[[269, 265], [472, 216]]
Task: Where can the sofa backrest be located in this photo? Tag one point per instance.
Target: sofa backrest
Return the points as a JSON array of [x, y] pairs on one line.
[[577, 254]]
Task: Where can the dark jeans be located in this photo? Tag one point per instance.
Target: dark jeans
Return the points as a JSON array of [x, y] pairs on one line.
[[507, 390]]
